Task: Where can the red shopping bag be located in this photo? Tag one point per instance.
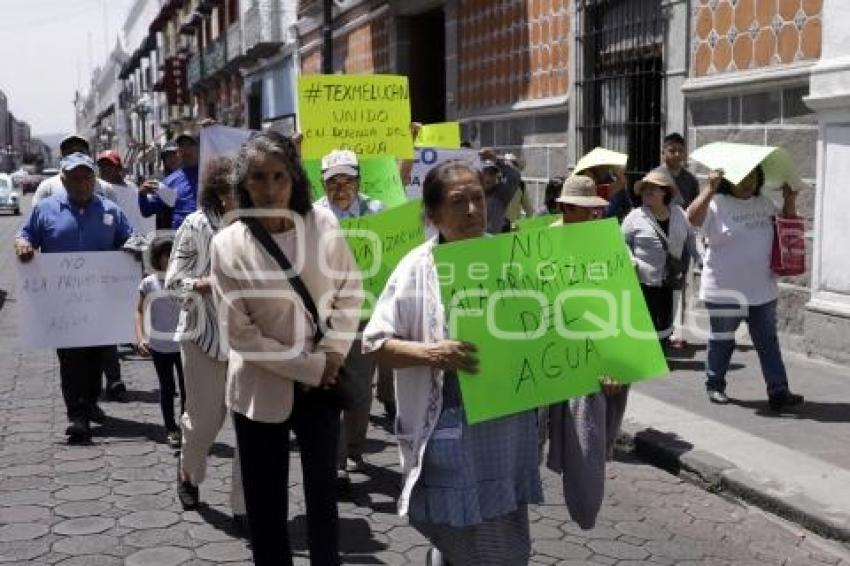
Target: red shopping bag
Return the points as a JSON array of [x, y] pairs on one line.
[[789, 246]]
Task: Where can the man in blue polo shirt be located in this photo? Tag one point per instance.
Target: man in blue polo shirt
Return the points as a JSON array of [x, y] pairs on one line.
[[77, 221], [179, 190]]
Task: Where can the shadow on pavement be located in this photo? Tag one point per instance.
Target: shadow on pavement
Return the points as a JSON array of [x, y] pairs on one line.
[[809, 410], [116, 427], [696, 365], [136, 396], [356, 541], [663, 449], [220, 521]]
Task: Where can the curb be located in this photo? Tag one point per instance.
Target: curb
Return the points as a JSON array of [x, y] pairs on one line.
[[675, 455]]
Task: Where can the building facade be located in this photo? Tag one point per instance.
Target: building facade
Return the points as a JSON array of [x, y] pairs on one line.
[[545, 79], [18, 147]]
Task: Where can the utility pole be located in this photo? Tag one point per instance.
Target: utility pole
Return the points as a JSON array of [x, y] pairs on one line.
[[327, 37]]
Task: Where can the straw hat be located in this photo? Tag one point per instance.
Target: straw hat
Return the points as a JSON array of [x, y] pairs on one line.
[[580, 190], [659, 176]]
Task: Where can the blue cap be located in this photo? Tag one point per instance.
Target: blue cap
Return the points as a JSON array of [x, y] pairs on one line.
[[74, 160]]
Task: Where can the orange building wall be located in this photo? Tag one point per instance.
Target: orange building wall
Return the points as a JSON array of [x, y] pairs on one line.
[[737, 35], [511, 50]]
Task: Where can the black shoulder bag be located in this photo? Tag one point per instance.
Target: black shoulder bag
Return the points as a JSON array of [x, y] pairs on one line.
[[344, 393], [675, 268]]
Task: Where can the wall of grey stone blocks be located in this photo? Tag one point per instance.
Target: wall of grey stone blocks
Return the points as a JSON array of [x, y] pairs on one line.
[[540, 139], [776, 117]]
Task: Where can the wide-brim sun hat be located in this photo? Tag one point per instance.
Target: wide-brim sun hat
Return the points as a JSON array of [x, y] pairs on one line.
[[601, 156], [580, 190], [660, 177]]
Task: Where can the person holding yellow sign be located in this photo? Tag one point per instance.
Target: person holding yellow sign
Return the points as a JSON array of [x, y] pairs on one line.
[[466, 487]]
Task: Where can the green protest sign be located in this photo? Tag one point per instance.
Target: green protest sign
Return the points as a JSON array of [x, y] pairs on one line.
[[535, 222], [368, 114], [379, 242], [379, 179], [443, 134], [550, 311]]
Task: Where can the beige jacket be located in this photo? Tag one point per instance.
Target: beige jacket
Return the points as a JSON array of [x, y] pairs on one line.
[[264, 326]]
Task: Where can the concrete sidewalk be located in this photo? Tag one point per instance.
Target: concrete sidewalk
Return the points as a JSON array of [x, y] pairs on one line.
[[796, 464]]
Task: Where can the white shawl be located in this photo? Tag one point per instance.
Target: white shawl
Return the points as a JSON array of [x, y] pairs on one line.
[[410, 308]]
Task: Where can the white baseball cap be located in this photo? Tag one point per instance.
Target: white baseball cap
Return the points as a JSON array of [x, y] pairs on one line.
[[340, 162]]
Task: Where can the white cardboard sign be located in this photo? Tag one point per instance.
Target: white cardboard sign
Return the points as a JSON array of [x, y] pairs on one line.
[[425, 158], [73, 300]]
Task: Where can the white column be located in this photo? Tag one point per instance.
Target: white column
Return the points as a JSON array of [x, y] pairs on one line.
[[828, 317]]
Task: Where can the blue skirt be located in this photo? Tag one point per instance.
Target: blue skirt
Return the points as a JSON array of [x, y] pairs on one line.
[[473, 473]]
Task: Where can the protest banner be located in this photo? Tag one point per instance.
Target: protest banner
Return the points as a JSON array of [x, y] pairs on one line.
[[427, 158], [535, 222], [379, 242], [368, 114], [550, 311], [76, 300], [379, 179], [444, 135]]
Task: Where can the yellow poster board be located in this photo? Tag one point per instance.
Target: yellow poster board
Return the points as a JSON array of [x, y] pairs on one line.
[[368, 114], [444, 135]]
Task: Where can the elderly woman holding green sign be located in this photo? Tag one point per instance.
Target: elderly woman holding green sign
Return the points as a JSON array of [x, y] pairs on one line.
[[466, 487]]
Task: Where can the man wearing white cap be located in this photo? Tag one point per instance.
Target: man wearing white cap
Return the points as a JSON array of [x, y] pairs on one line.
[[76, 221], [341, 181]]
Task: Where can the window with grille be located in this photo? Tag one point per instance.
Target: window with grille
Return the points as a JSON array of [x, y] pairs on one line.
[[620, 79]]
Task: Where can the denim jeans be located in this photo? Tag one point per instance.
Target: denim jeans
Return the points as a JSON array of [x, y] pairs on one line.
[[761, 320]]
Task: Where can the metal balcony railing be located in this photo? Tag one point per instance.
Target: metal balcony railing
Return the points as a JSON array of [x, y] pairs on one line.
[[261, 30], [234, 42], [195, 70], [215, 56]]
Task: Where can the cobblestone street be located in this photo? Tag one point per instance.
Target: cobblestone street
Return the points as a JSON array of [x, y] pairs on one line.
[[114, 502]]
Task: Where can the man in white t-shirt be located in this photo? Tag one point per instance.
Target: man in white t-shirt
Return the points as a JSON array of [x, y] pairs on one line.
[[737, 282], [55, 185], [126, 193]]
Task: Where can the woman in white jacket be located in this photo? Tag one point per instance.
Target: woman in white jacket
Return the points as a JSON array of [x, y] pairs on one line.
[[658, 234]]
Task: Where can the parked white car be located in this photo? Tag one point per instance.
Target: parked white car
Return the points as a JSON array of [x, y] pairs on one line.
[[10, 198]]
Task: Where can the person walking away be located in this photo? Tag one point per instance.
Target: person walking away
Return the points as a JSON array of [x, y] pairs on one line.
[[178, 191], [289, 293], [75, 221], [202, 353], [674, 155], [157, 314], [341, 181], [466, 487], [737, 283], [659, 237]]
